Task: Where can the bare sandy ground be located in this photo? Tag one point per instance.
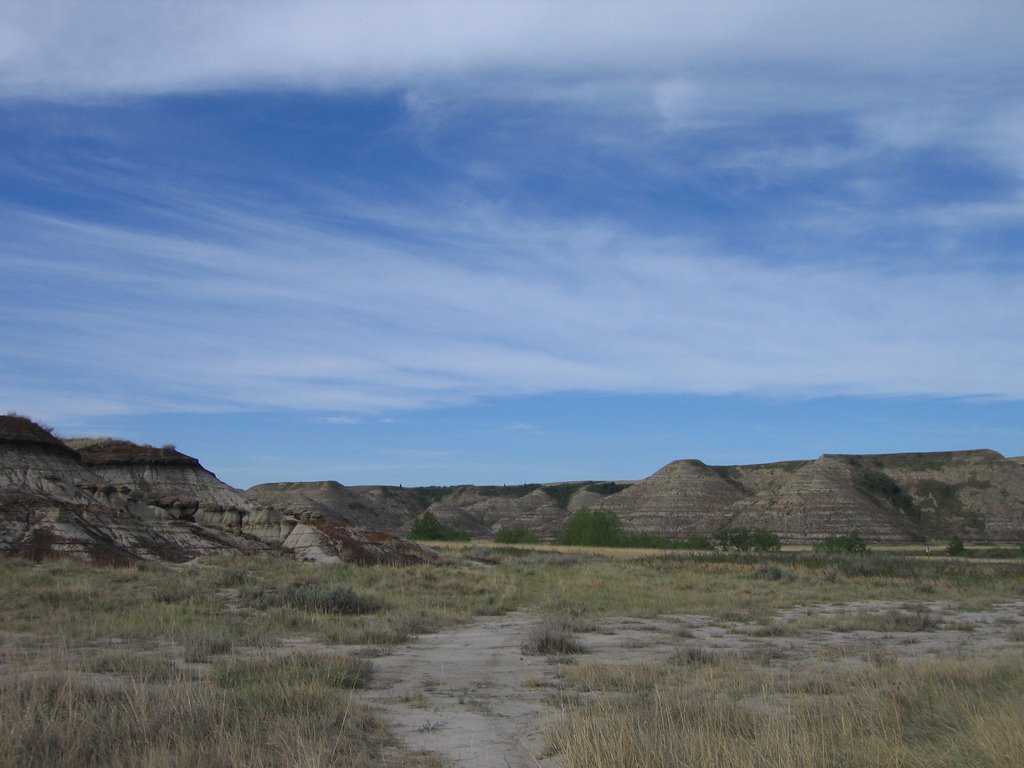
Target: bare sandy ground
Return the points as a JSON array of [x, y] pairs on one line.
[[470, 696]]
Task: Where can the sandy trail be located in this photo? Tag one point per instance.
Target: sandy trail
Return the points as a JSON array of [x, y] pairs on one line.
[[470, 696]]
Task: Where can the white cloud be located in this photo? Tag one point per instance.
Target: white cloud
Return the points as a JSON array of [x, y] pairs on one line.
[[96, 47], [296, 315], [339, 420], [264, 308], [909, 74]]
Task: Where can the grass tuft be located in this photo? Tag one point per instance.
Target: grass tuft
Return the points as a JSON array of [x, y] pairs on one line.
[[311, 596], [200, 646], [554, 636]]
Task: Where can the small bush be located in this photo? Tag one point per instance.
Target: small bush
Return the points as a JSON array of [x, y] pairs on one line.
[[200, 646], [745, 540], [850, 543], [956, 546], [773, 573], [694, 541], [553, 637], [428, 528], [517, 534]]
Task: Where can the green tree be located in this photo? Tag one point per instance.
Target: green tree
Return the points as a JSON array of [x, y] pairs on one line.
[[956, 546], [592, 529], [764, 541]]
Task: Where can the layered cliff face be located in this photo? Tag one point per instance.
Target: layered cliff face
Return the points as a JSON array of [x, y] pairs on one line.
[[51, 504], [377, 507], [893, 498], [481, 511], [116, 502], [978, 495], [822, 498], [682, 498], [169, 480], [887, 498]]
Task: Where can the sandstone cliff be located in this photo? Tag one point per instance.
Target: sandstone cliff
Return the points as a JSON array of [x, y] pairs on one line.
[[482, 511], [888, 498], [682, 498], [113, 501], [977, 495], [823, 498]]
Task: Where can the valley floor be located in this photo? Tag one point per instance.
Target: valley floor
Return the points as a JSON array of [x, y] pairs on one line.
[[508, 657]]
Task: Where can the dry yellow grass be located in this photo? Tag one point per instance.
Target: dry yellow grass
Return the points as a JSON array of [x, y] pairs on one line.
[[939, 714], [295, 711], [125, 667]]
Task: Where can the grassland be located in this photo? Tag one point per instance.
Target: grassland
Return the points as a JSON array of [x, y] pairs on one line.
[[258, 662]]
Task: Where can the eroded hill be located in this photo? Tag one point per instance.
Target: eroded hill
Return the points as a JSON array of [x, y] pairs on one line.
[[890, 498], [113, 501]]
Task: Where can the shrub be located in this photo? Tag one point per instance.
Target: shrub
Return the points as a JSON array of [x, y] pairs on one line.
[[851, 542], [694, 541], [592, 529], [553, 637], [517, 534], [200, 646], [956, 546], [602, 529], [773, 573], [744, 540], [428, 528]]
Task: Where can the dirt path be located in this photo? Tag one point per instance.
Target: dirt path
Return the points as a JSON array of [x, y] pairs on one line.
[[469, 695]]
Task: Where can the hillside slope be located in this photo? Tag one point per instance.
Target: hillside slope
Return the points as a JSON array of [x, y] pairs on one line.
[[115, 502], [891, 498]]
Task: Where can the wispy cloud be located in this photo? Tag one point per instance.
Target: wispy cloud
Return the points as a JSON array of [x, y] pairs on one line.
[[139, 46], [339, 420], [372, 300], [271, 311]]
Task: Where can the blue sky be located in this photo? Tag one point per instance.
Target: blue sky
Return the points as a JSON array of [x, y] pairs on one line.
[[500, 242]]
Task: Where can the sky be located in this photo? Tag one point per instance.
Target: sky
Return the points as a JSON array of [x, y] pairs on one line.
[[498, 242]]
